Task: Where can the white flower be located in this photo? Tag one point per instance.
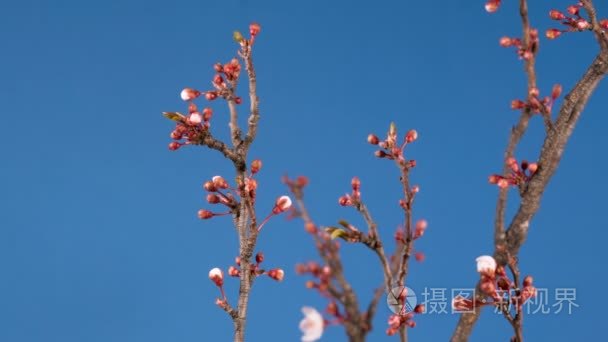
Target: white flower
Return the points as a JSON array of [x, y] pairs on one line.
[[486, 265], [311, 325]]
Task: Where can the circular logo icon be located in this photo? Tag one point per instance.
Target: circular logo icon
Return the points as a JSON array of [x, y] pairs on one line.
[[401, 300]]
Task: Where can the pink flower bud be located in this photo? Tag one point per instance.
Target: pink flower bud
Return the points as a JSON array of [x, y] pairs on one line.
[[282, 204], [259, 258], [210, 186], [380, 154], [310, 228], [556, 15], [528, 281], [573, 9], [218, 80], [204, 214], [174, 145], [582, 24], [254, 29], [494, 179], [220, 182], [419, 309], [492, 6], [553, 33], [218, 67], [517, 104], [533, 92], [505, 42], [237, 260], [332, 308], [556, 91], [415, 189], [213, 198], [532, 167], [502, 183], [604, 24], [207, 113], [345, 201], [276, 274], [217, 276], [411, 136], [211, 95], [233, 271], [196, 118], [256, 165], [411, 324], [373, 139], [302, 181], [419, 256], [355, 183], [189, 94]]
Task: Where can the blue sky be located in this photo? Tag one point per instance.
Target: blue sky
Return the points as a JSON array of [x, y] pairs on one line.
[[99, 239]]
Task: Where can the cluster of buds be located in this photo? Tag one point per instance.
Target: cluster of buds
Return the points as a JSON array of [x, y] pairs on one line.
[[496, 284], [228, 72], [322, 275], [534, 104], [492, 5], [354, 197], [572, 21], [389, 148], [255, 269], [190, 129], [519, 174], [396, 321], [524, 52], [219, 192]]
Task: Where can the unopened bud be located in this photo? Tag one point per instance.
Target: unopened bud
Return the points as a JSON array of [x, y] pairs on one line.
[[220, 182], [517, 104], [256, 165], [492, 6], [573, 9], [556, 91], [211, 95], [345, 201], [259, 257], [189, 94], [204, 214], [282, 204], [556, 15], [210, 186], [254, 29], [553, 33], [195, 118], [233, 271], [217, 276], [213, 198], [276, 274], [532, 167], [533, 92], [411, 136], [373, 139], [505, 42], [582, 24], [355, 183]]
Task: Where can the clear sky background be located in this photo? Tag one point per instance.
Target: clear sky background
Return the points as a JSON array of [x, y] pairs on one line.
[[99, 239]]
